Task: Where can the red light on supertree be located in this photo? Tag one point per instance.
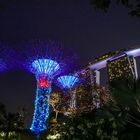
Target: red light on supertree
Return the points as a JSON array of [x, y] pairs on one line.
[[44, 83]]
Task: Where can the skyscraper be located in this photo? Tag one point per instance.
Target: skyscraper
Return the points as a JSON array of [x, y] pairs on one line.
[[122, 66]]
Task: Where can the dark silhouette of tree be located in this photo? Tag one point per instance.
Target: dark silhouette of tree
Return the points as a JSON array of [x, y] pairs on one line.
[[12, 126], [2, 115], [126, 94], [133, 6]]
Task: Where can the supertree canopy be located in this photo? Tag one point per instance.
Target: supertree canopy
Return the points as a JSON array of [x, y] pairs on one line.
[[67, 81], [45, 60], [46, 66]]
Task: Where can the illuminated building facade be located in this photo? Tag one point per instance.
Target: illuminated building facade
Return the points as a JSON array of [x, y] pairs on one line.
[[122, 66], [117, 63], [120, 63]]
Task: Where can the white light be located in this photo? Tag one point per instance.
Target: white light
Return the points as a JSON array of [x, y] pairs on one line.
[[135, 52]]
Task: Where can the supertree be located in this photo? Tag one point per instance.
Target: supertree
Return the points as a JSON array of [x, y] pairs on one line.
[[45, 59], [67, 81], [67, 84]]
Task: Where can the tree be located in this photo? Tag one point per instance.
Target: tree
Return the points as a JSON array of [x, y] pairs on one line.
[[55, 102], [114, 120], [133, 6], [126, 93], [2, 115], [12, 125], [100, 124]]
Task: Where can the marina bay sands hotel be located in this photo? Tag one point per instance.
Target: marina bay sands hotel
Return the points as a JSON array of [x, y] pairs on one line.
[[118, 64]]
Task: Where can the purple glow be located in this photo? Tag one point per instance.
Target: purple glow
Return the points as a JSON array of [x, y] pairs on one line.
[[43, 57], [7, 58], [3, 66]]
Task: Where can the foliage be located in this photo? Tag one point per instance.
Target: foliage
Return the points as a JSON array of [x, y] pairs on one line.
[[102, 124], [104, 94], [133, 6], [2, 115], [55, 101], [126, 93], [12, 126], [9, 121], [113, 121], [84, 98]]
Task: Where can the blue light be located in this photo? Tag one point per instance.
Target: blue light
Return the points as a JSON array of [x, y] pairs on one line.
[[45, 66], [44, 70], [41, 112], [67, 81]]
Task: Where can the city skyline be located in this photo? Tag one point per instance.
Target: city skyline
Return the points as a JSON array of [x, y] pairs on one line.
[[74, 23]]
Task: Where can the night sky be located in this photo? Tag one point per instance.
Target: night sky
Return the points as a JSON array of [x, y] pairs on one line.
[[74, 23]]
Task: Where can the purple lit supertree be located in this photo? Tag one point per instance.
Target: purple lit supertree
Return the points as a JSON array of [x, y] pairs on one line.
[[45, 59]]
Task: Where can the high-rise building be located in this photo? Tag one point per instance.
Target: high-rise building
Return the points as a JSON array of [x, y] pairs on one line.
[[122, 66]]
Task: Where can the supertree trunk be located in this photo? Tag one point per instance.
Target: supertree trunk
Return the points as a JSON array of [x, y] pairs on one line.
[[73, 99], [41, 112]]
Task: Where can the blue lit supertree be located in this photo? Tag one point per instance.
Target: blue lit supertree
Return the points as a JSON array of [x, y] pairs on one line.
[[67, 81], [67, 84], [45, 59]]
